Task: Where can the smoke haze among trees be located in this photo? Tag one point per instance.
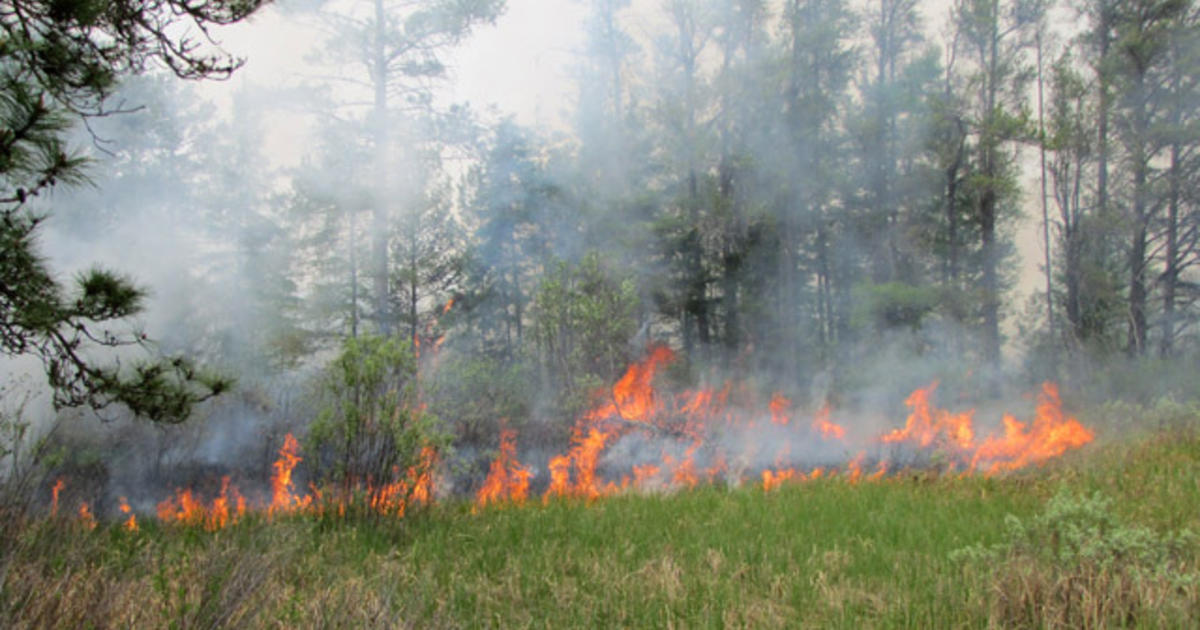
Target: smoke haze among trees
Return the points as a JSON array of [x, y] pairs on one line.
[[825, 197]]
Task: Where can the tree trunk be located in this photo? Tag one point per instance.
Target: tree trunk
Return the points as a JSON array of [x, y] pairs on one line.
[[1045, 208], [1171, 273], [379, 236], [1138, 291]]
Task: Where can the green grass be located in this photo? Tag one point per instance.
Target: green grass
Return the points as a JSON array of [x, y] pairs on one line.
[[818, 554]]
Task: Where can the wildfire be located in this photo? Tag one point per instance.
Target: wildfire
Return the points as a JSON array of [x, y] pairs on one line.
[[85, 516], [634, 405], [828, 430], [507, 480], [58, 486], [707, 434], [779, 409], [283, 501], [130, 524], [1051, 434], [633, 397]]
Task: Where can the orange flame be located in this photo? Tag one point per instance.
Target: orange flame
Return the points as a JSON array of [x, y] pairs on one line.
[[773, 479], [779, 409], [131, 522], [1051, 434], [85, 516], [828, 430], [58, 486], [507, 480], [927, 423], [633, 396], [282, 499]]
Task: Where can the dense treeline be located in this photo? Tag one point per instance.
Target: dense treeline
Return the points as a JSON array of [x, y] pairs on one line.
[[783, 187]]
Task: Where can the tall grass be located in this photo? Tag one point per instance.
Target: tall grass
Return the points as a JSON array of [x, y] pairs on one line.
[[819, 554]]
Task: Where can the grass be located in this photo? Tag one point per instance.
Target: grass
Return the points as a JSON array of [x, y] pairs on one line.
[[818, 554]]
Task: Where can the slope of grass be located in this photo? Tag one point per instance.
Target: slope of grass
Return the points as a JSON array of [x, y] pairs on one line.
[[818, 554]]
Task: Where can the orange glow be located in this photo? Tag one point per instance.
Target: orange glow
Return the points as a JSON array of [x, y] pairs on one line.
[[1052, 433], [420, 476], [85, 516], [926, 424], [828, 430], [282, 499], [449, 305], [879, 473], [854, 468], [130, 524], [58, 486], [683, 470], [643, 474], [779, 409], [507, 480], [774, 479]]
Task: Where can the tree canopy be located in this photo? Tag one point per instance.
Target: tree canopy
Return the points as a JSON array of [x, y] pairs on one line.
[[60, 61]]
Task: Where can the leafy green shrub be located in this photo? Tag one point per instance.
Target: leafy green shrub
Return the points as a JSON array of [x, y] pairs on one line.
[[1164, 413], [372, 427], [474, 393], [1076, 565], [584, 320]]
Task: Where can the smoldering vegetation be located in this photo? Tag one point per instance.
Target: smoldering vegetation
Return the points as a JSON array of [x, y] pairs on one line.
[[822, 201]]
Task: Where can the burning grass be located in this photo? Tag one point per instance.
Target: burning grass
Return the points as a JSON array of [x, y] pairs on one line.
[[825, 553], [863, 541]]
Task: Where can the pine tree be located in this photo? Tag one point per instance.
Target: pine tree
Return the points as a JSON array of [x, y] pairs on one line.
[[60, 62]]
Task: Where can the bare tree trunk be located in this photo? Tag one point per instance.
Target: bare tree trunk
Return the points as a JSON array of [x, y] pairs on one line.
[[987, 206], [1171, 273], [353, 240], [1138, 290], [379, 236], [1045, 208]]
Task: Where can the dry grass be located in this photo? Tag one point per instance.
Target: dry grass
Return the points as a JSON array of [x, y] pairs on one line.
[[825, 554], [1023, 593]]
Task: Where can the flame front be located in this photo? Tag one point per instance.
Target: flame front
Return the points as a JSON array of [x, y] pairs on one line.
[[58, 486], [697, 430], [85, 516], [130, 524], [828, 430], [927, 424], [282, 499], [507, 480], [1052, 434]]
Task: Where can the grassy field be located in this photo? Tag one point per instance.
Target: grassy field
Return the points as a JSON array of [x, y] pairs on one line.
[[818, 554]]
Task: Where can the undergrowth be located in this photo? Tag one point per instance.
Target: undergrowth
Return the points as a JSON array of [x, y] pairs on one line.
[[1036, 549]]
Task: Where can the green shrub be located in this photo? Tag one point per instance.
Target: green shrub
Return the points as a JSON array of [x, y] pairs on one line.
[[1076, 565], [372, 426]]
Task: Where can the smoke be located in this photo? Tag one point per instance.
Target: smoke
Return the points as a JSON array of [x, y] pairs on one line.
[[571, 236]]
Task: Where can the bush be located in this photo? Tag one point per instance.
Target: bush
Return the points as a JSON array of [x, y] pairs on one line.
[[372, 426], [1076, 565]]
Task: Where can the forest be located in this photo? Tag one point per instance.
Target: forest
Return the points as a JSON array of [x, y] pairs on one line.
[[817, 198], [344, 348]]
